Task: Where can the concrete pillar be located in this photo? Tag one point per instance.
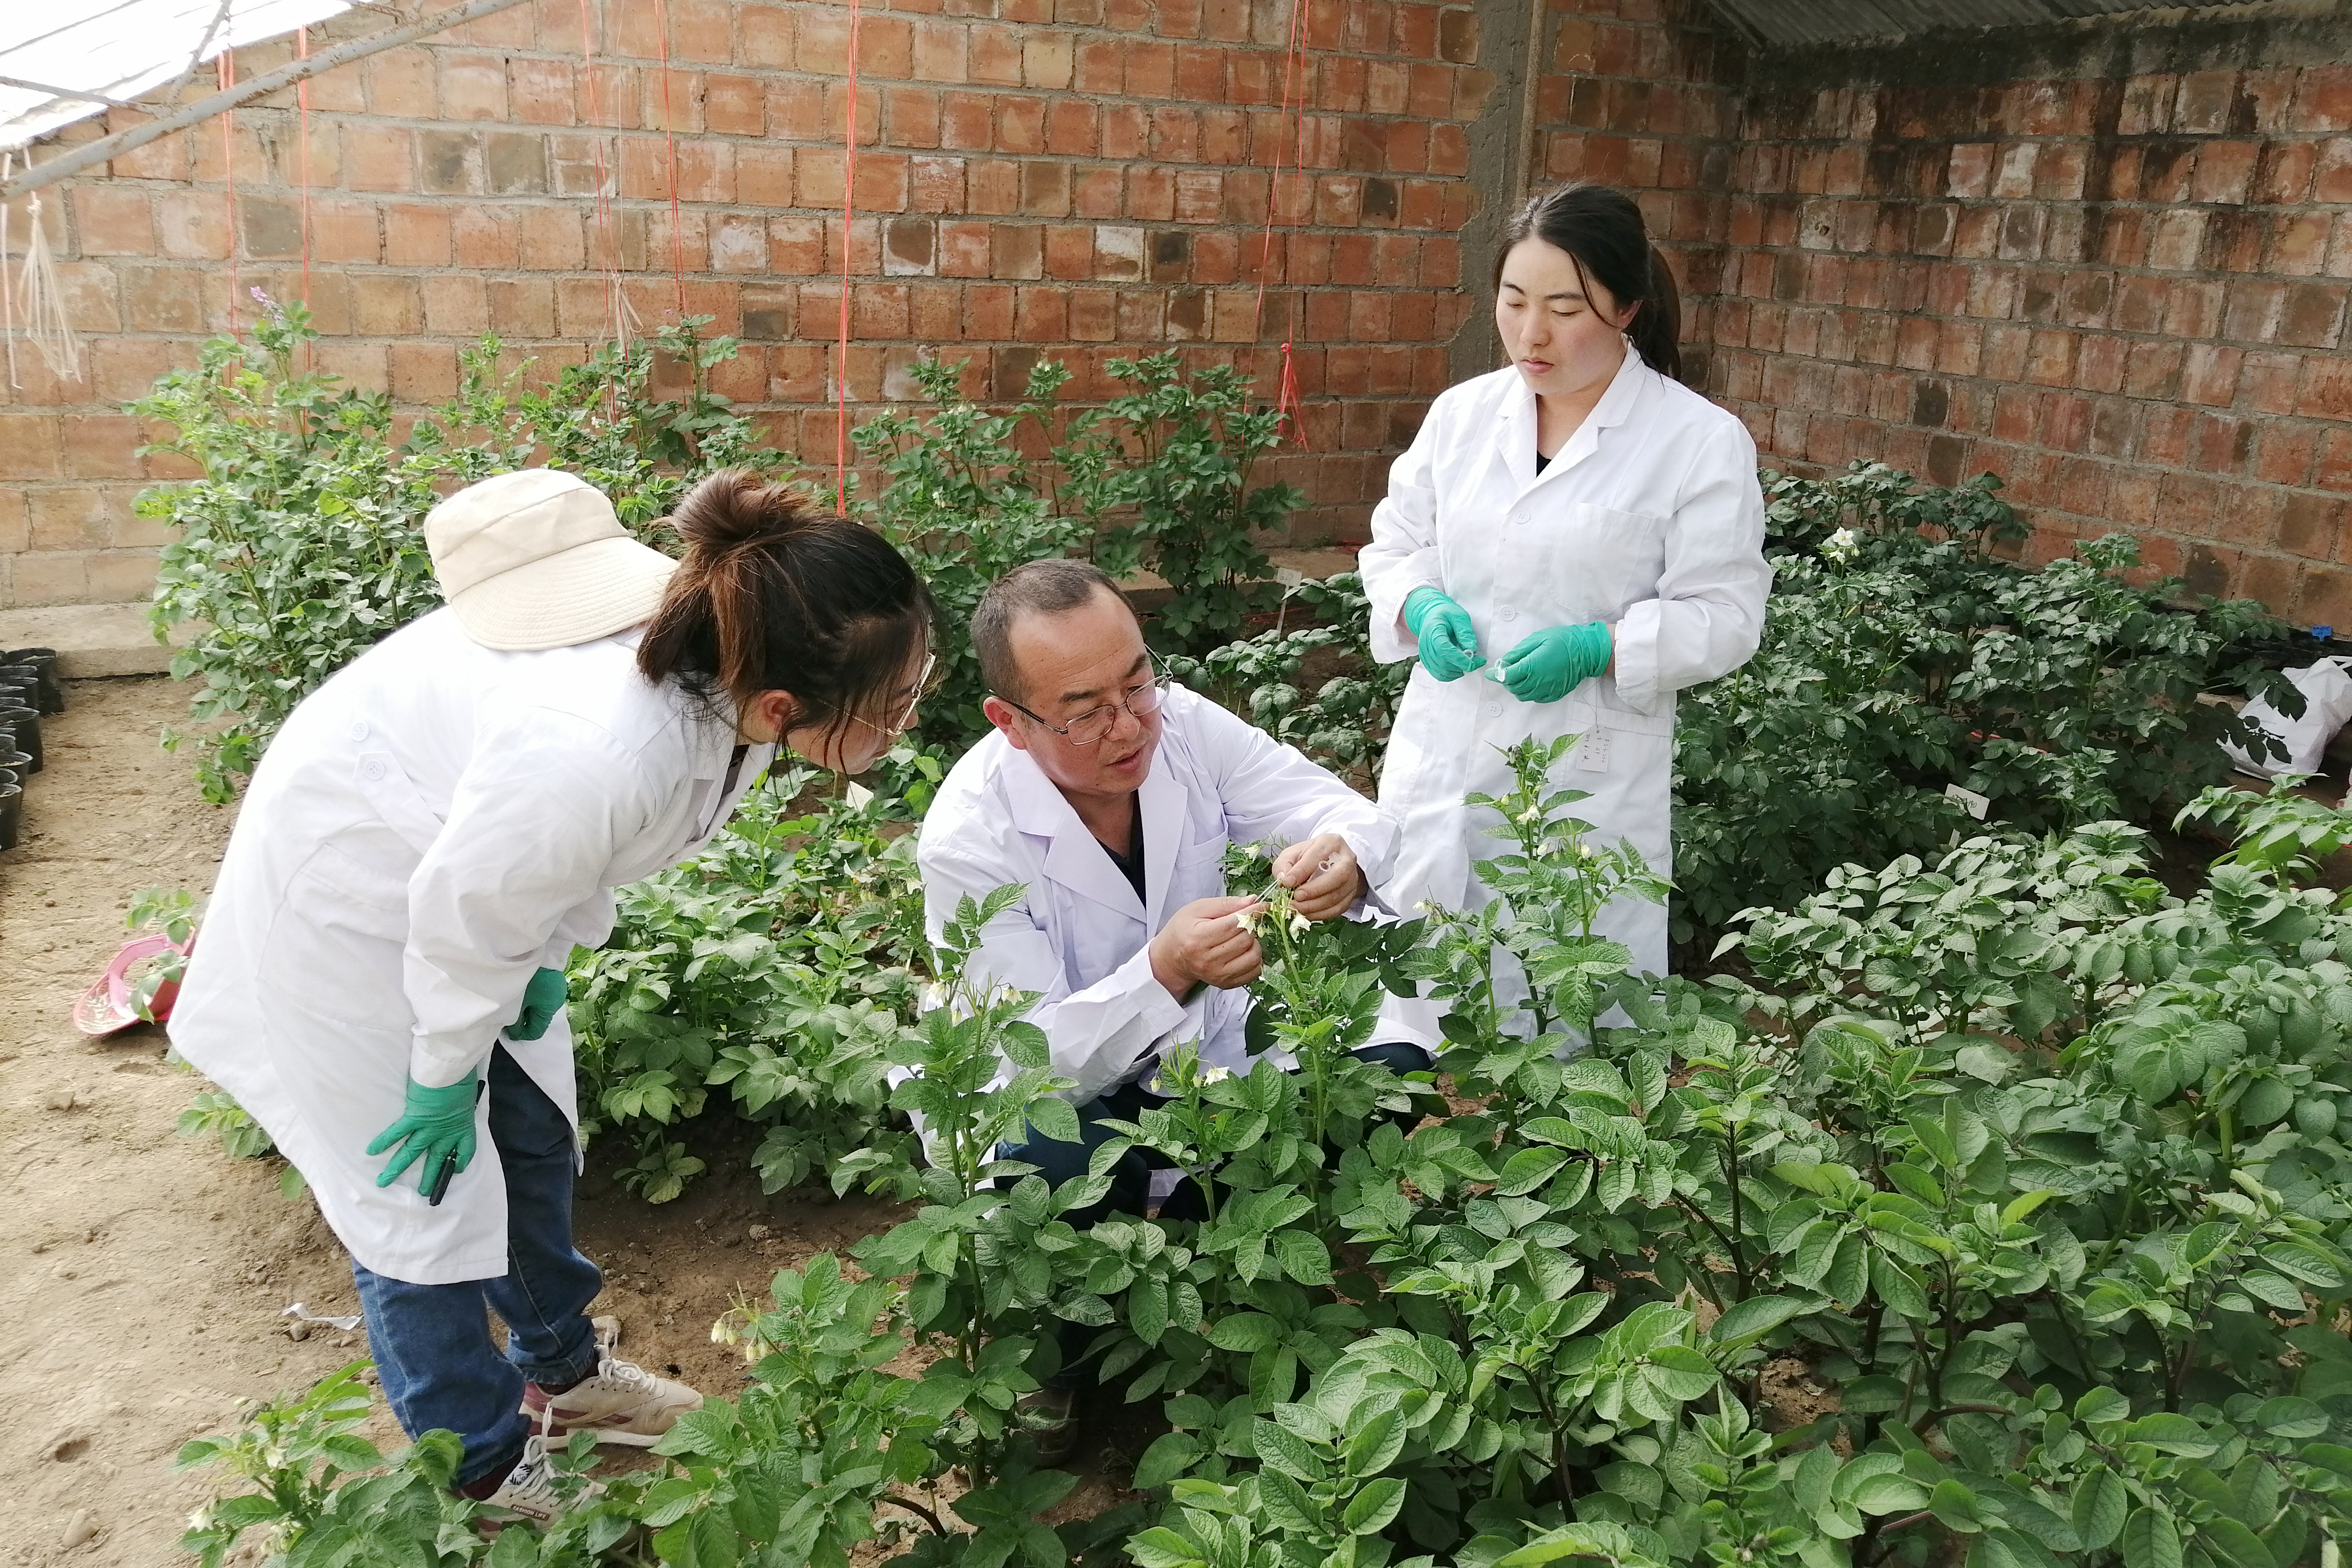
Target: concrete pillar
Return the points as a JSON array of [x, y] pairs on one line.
[[1511, 34]]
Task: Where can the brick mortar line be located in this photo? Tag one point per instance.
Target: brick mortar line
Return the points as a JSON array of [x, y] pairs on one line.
[[1958, 381], [1975, 263], [1926, 313], [1093, 99], [533, 127], [2033, 443], [2127, 335], [2299, 422], [164, 184], [558, 201], [1866, 142], [2127, 204], [449, 43], [880, 85]]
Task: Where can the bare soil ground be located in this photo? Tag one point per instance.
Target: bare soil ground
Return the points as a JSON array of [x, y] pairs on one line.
[[142, 1274]]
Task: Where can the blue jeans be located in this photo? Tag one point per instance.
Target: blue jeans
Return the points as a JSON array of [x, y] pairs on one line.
[[1130, 1178], [432, 1342]]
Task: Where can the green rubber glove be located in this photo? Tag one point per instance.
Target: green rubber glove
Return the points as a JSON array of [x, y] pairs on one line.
[[541, 1000], [436, 1122], [1555, 661], [1449, 644]]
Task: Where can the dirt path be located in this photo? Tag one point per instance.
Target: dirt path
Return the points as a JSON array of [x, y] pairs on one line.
[[142, 1274]]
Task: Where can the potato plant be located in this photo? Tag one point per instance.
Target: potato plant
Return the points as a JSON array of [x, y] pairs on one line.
[[1902, 654], [2034, 1163], [777, 970], [301, 540], [1345, 723], [1161, 474]]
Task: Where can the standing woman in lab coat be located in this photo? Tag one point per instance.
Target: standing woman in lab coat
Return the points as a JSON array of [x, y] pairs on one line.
[[1568, 542], [379, 980]]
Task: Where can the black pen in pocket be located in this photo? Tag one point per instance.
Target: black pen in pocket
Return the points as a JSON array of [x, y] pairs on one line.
[[440, 1187]]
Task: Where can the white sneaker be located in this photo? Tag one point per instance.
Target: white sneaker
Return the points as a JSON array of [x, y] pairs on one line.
[[622, 1404], [528, 1491]]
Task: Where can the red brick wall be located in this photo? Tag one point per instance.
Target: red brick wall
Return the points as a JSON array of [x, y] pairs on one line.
[[2110, 265], [1645, 95], [2117, 281], [1078, 178]]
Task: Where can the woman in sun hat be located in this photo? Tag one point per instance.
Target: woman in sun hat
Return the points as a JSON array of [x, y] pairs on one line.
[[432, 832]]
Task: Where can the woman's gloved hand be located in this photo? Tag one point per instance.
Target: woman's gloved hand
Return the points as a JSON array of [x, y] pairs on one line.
[[1555, 661], [1449, 644], [437, 1121], [543, 999]]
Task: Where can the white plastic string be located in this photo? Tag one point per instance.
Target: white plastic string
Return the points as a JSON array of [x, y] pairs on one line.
[[45, 321], [7, 287]]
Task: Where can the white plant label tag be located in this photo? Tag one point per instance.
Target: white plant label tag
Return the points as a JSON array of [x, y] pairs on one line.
[[1289, 576], [1592, 752], [1974, 804], [859, 796]]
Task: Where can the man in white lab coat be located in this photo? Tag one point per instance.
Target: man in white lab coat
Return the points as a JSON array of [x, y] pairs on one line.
[[1111, 796]]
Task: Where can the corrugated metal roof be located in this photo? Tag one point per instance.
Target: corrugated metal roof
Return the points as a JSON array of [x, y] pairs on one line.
[[1783, 24]]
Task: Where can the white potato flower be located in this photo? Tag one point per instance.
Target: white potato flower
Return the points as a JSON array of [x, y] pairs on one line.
[[1841, 545]]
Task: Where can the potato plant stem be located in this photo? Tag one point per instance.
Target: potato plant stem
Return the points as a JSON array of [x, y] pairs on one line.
[[1731, 1177], [939, 1526]]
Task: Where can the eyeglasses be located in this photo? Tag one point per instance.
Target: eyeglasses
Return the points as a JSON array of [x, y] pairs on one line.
[[1092, 725], [905, 718]]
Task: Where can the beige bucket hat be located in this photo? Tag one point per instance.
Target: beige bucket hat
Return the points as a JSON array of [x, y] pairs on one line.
[[537, 559]]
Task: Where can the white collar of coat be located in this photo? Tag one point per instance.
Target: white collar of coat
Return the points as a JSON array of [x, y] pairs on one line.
[[1074, 857], [1514, 433], [711, 735]]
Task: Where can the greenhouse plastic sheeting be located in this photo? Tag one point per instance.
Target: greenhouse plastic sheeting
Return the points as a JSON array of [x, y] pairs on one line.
[[52, 49]]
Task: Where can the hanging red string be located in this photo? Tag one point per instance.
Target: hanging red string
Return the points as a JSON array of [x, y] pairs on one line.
[[617, 305], [1302, 202], [1287, 406], [302, 98], [669, 129], [848, 214], [224, 67]]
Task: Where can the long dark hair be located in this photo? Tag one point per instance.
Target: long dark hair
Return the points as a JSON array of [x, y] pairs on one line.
[[1602, 232], [772, 595]]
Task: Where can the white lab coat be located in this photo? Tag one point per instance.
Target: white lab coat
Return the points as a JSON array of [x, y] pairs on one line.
[[430, 827], [1080, 937], [1651, 519]]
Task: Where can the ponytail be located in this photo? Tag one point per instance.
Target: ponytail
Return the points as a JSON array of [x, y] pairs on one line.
[[772, 596], [1602, 232], [1656, 328]]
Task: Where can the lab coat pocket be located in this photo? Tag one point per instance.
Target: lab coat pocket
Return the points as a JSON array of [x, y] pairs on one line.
[[336, 941], [1586, 715], [1199, 873], [1401, 769], [1593, 561]]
